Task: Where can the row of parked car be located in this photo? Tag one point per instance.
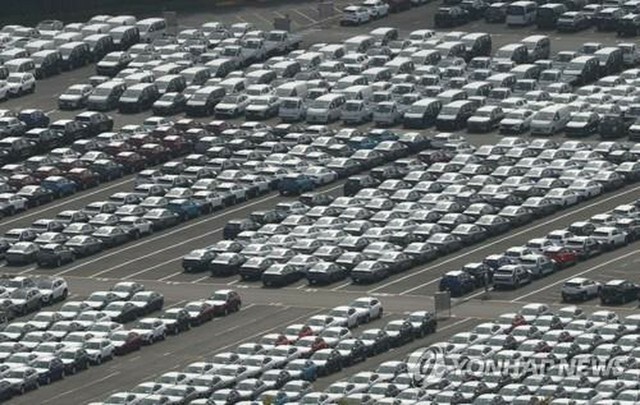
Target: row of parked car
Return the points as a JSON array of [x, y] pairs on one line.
[[539, 257], [231, 169], [280, 366], [500, 362], [55, 344], [20, 295], [370, 10], [28, 54], [410, 212]]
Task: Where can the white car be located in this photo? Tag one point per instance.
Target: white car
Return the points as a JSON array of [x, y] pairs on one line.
[[355, 15], [21, 83], [99, 350], [150, 330], [53, 289], [376, 8], [580, 288], [610, 237], [348, 316], [587, 188], [368, 308], [4, 90], [563, 196]]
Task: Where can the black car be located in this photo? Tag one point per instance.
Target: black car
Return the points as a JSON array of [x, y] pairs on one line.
[[122, 311], [137, 98], [475, 8], [496, 13], [169, 104], [582, 124], [356, 183], [96, 122], [613, 126], [328, 361], [85, 245], [236, 226], [376, 341], [253, 268], [448, 17], [55, 255], [74, 359], [618, 292], [628, 25], [352, 351], [176, 320], [573, 21], [400, 332], [198, 260], [148, 301], [422, 322], [111, 235], [36, 195]]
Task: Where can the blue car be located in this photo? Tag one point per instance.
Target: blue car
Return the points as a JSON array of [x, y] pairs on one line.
[[295, 184], [381, 135], [185, 208], [49, 368], [303, 369], [362, 142], [59, 186], [34, 118], [457, 282], [107, 169]]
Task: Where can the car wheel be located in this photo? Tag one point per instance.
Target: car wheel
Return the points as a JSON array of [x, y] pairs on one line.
[[73, 370], [47, 381], [23, 389]]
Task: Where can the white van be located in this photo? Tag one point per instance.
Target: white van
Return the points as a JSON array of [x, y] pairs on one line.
[[521, 13], [151, 28], [325, 109], [550, 120], [292, 89], [21, 65], [292, 109], [359, 92]]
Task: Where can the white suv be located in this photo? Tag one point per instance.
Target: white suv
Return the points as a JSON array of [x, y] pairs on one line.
[[21, 83], [580, 288]]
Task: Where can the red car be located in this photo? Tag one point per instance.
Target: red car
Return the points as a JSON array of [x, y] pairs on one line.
[[18, 181], [43, 172], [125, 342], [225, 301], [115, 147], [199, 312], [176, 144], [140, 139], [84, 177], [563, 256], [132, 161], [154, 153]]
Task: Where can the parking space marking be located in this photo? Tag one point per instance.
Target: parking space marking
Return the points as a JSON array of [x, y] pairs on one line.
[[604, 264], [28, 270], [410, 290], [163, 278], [175, 304], [84, 386], [145, 270], [341, 286], [499, 241], [261, 17], [197, 280], [164, 235], [300, 13]]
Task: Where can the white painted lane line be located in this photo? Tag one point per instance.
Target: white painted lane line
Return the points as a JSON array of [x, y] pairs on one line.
[[599, 266], [200, 279], [84, 386], [165, 277], [28, 269], [300, 13], [501, 240], [410, 290], [341, 286], [175, 304], [263, 18]]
